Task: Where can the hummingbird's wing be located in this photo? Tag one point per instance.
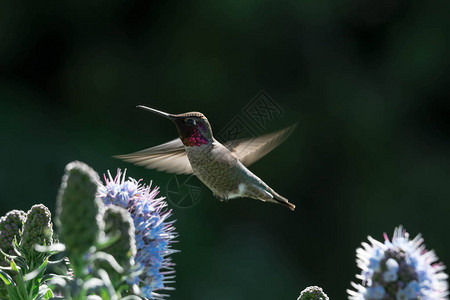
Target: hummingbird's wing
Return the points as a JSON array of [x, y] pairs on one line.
[[250, 150], [170, 157]]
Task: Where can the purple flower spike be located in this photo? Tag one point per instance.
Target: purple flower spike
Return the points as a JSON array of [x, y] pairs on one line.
[[153, 231], [399, 269]]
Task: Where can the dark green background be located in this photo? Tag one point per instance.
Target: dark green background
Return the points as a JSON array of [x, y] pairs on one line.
[[367, 81]]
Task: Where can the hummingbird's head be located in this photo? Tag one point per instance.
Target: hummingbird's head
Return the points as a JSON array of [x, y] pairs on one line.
[[193, 127]]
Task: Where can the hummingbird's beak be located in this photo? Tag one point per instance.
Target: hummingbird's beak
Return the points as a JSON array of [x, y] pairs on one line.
[[158, 112]]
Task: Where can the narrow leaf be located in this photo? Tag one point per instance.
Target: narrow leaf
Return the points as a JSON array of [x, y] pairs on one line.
[[58, 247], [35, 273], [6, 278], [94, 297], [109, 259]]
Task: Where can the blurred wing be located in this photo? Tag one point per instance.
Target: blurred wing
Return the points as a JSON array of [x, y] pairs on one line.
[[170, 157], [249, 151]]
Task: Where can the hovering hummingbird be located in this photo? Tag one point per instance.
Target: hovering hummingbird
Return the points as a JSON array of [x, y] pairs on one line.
[[222, 168]]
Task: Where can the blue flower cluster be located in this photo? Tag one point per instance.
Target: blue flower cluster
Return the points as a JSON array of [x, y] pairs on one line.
[[402, 269], [154, 233]]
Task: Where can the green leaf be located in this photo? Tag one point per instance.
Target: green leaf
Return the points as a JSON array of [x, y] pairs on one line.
[[94, 297], [53, 248], [20, 287], [13, 293], [45, 293], [17, 292], [14, 266], [37, 273], [59, 281], [6, 278], [109, 292], [103, 256], [131, 297], [106, 242], [6, 255], [93, 284], [105, 294], [55, 262]]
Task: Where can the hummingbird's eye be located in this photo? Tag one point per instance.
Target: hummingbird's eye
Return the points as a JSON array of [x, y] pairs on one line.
[[190, 121]]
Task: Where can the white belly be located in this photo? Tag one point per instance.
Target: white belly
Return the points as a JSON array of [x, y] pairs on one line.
[[239, 193]]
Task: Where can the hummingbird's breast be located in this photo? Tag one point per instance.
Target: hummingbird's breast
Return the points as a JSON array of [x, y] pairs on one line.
[[217, 168]]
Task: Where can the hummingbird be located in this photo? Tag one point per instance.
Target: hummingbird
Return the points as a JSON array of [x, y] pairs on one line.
[[221, 167]]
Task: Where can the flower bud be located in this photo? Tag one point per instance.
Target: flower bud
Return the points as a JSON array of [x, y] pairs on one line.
[[78, 212], [37, 228], [119, 222], [10, 227], [313, 293]]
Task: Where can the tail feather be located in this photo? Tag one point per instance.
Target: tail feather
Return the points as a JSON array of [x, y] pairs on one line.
[[264, 193], [281, 200]]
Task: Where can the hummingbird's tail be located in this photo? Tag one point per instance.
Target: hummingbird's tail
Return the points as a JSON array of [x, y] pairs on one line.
[[263, 192], [281, 200]]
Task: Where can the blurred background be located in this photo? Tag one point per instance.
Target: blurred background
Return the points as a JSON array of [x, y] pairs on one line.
[[366, 81]]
